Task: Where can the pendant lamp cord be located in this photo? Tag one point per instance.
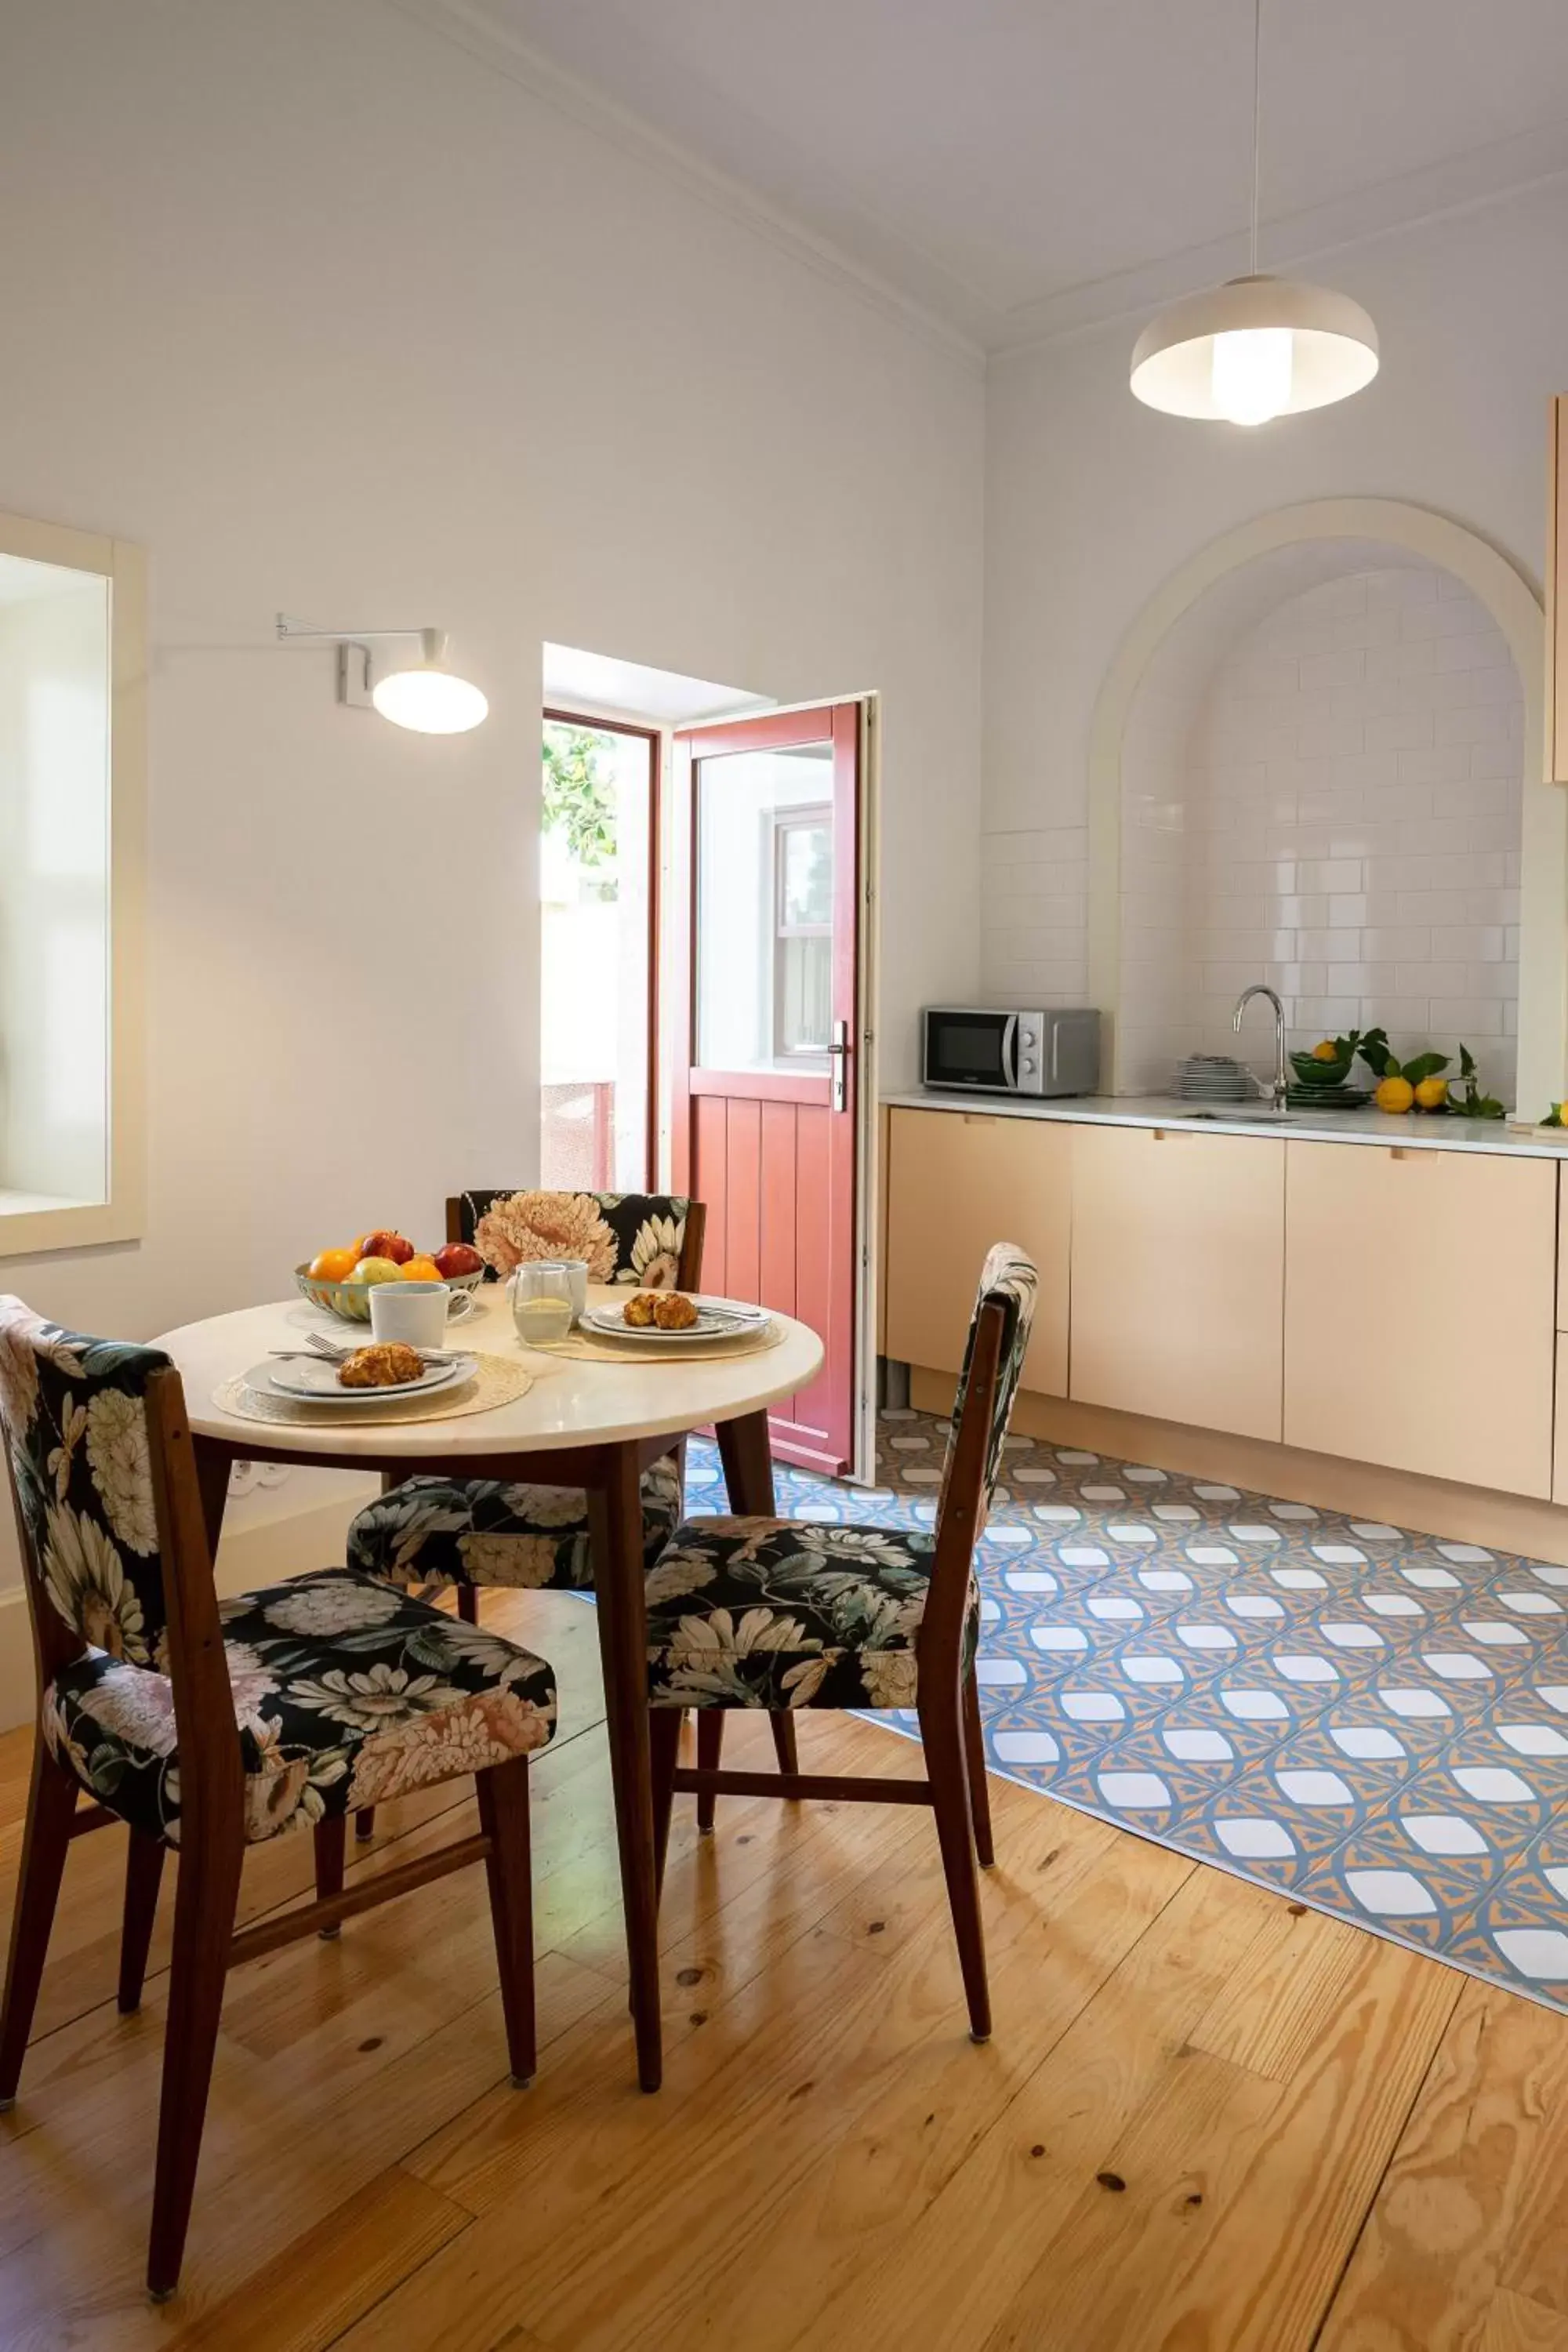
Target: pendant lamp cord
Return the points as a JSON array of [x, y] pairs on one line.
[[1257, 59]]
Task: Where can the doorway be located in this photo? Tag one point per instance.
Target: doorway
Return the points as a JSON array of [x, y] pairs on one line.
[[599, 885]]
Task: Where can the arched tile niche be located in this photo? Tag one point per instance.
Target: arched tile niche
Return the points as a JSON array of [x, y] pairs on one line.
[[1316, 763]]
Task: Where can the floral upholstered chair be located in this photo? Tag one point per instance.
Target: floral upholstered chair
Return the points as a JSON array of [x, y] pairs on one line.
[[791, 1613], [473, 1532], [210, 1727]]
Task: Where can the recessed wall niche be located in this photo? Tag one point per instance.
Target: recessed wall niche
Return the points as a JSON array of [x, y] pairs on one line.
[[1321, 788]]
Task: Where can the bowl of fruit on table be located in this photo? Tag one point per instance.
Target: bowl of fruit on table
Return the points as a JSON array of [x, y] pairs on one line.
[[343, 1279]]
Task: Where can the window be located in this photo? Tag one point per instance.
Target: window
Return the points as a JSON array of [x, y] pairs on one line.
[[596, 883], [70, 809], [803, 932]]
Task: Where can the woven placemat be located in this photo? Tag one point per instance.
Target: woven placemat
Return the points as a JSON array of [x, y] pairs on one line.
[[622, 1351], [498, 1379], [588, 1350]]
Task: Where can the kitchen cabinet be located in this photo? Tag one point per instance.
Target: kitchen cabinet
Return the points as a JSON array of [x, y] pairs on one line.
[[1420, 1289], [957, 1181], [1178, 1243], [1557, 596], [1559, 1444]]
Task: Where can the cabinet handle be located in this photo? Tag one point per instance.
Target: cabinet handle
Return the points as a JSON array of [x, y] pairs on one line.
[[1171, 1134], [979, 1118]]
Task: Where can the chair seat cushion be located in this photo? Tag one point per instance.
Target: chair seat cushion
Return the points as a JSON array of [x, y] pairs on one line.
[[345, 1691], [483, 1531], [785, 1612]]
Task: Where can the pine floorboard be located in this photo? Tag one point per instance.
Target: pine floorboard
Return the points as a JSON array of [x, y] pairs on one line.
[[1209, 2121]]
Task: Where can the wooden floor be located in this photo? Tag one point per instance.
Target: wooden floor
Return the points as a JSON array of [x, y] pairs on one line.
[[1207, 2121]]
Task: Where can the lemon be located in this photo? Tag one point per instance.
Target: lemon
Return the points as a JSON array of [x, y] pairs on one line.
[[1327, 1051], [1394, 1094], [1432, 1093]]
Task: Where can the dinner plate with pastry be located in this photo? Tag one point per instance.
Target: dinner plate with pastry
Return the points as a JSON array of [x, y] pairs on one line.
[[364, 1376], [673, 1317]]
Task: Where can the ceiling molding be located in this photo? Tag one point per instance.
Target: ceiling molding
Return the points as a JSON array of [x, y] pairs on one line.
[[471, 27], [1445, 191]]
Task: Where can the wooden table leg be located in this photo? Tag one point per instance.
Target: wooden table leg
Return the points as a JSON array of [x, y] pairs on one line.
[[747, 1454], [214, 1463], [616, 1534]]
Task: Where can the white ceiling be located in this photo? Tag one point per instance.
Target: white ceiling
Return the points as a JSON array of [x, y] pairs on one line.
[[1017, 166]]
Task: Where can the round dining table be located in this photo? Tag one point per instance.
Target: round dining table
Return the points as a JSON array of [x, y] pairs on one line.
[[586, 1423]]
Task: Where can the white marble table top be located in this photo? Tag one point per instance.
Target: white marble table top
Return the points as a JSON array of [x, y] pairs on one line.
[[572, 1401]]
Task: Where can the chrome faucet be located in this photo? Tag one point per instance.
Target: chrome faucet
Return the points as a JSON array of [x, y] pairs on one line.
[[1280, 1090]]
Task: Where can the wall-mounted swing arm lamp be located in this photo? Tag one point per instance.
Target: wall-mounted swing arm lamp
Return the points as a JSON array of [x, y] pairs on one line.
[[424, 695]]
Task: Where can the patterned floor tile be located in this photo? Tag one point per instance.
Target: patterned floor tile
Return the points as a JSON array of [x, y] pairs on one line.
[[1372, 1721]]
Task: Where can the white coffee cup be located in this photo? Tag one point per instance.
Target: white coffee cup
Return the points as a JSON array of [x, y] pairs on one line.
[[414, 1312]]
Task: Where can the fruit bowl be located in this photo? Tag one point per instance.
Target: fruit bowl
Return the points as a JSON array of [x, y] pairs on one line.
[[350, 1300]]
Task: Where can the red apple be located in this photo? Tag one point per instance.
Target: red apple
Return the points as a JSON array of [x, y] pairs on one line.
[[455, 1258], [388, 1244]]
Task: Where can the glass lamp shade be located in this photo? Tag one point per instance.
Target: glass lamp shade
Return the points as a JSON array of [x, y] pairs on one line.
[[1255, 348], [428, 696]]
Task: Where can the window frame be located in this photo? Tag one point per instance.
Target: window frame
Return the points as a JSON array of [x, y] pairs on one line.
[[121, 1216], [799, 817]]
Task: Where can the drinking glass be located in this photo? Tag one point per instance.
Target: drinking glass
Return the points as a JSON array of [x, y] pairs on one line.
[[542, 1304]]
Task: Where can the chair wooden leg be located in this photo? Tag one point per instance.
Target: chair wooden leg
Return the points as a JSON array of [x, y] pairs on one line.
[[502, 1792], [782, 1724], [143, 1875], [51, 1802], [468, 1603], [365, 1824], [331, 1842], [710, 1748], [664, 1724], [205, 1893], [974, 1757], [941, 1730]]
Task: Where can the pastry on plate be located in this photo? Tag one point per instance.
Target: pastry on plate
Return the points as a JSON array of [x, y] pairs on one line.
[[672, 1310], [386, 1364], [638, 1312]]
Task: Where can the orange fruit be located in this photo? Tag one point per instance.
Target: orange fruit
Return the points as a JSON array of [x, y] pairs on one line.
[[1394, 1094], [420, 1269], [1327, 1051], [333, 1264], [1432, 1093]]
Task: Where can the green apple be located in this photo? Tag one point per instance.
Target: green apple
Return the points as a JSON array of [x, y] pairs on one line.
[[375, 1269]]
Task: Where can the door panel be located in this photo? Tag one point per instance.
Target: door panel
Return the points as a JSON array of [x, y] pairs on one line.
[[958, 1181], [1419, 1311], [765, 1081], [1178, 1250]]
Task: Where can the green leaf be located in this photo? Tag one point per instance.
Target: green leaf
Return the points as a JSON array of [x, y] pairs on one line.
[[1424, 1065]]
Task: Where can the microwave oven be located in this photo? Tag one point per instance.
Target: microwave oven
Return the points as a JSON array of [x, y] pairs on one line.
[[1007, 1050]]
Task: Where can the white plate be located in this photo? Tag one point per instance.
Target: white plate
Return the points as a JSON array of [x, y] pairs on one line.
[[311, 1383], [716, 1318]]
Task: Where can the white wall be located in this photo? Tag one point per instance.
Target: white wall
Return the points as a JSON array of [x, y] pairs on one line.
[[331, 318], [1093, 500]]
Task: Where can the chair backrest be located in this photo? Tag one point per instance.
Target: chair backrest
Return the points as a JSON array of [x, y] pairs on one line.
[[74, 1414], [992, 1363], [114, 1549], [652, 1239]]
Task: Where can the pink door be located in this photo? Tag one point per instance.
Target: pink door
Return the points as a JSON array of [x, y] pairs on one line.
[[766, 1076]]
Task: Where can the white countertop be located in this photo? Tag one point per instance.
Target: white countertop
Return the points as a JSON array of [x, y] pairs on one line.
[[1421, 1131]]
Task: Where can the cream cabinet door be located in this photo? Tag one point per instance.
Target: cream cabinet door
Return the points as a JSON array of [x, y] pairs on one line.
[[1178, 1244], [1419, 1310], [957, 1181]]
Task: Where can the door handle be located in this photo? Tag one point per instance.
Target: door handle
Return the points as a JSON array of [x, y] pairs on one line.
[[838, 1054]]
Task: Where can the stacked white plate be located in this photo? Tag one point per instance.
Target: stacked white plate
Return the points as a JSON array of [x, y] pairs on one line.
[[1213, 1077], [716, 1318]]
